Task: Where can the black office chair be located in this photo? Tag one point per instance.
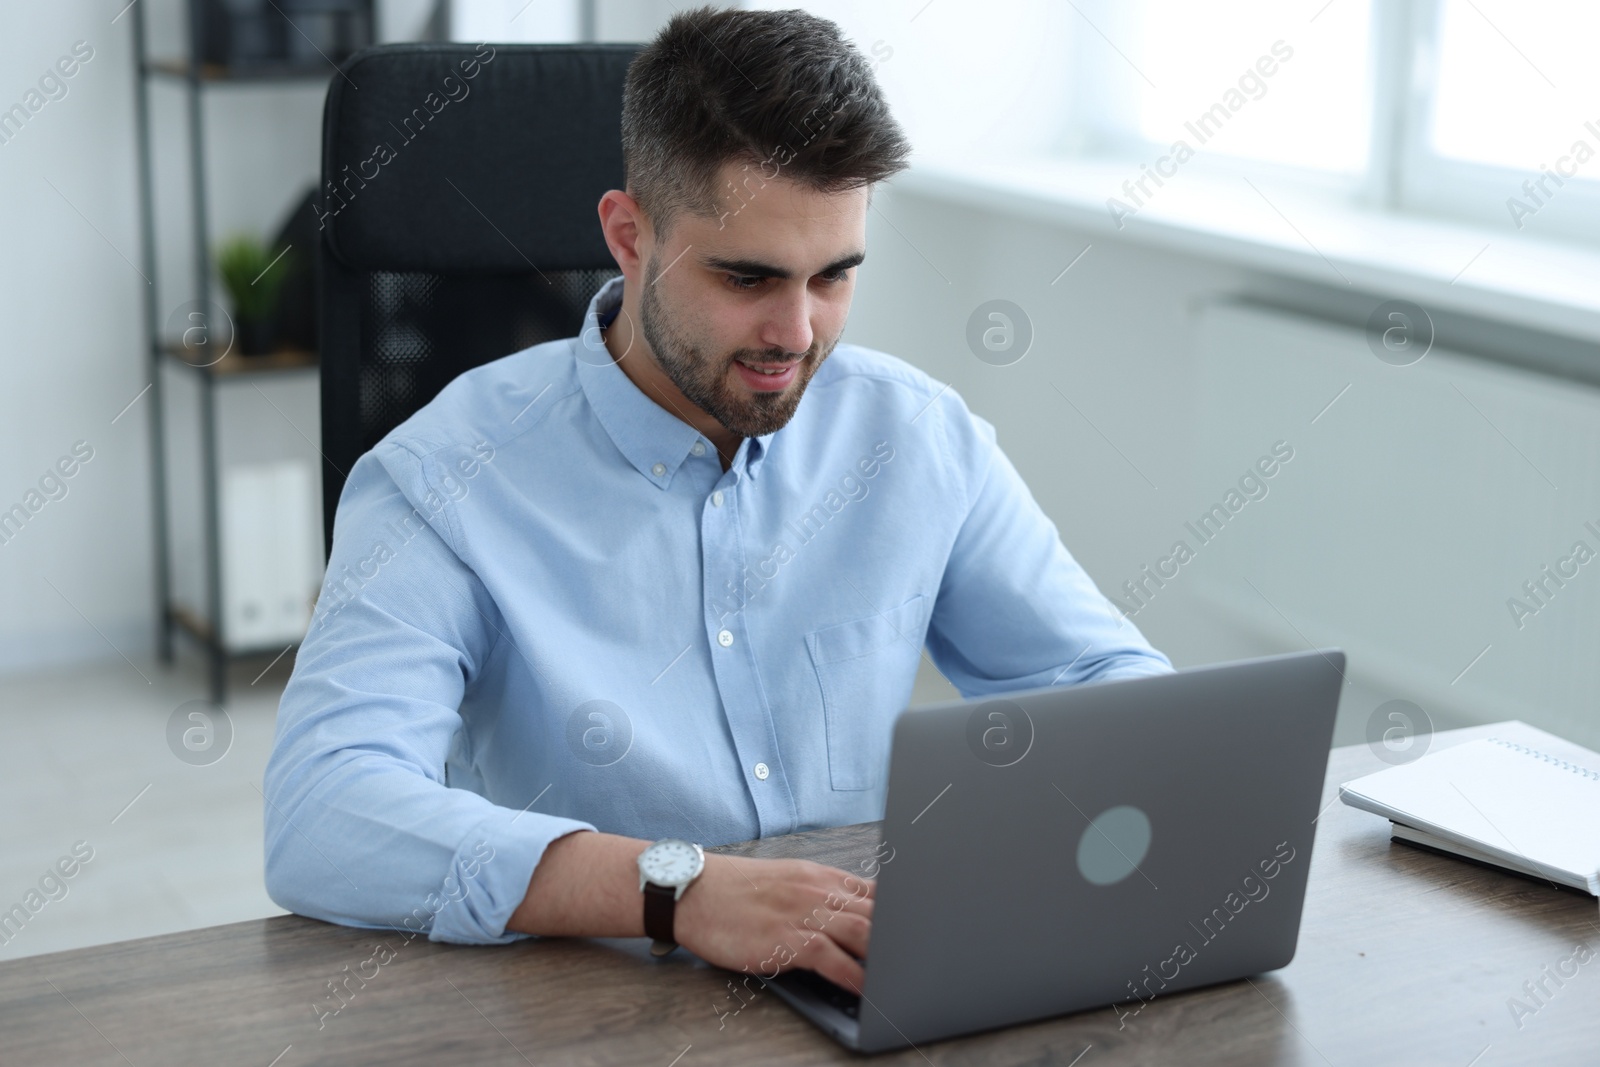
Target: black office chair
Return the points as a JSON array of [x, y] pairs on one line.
[[474, 235]]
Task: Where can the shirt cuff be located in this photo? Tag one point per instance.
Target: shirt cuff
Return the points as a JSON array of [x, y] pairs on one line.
[[489, 878]]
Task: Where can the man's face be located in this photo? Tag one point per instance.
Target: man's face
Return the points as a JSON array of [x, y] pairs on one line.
[[765, 287]]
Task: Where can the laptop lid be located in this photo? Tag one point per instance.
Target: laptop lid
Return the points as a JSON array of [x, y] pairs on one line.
[[1059, 849]]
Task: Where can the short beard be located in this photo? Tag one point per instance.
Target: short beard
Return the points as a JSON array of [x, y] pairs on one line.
[[704, 381]]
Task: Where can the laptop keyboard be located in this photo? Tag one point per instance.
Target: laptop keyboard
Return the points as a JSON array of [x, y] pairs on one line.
[[835, 995]]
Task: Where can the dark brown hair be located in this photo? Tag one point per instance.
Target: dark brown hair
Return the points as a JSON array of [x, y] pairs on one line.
[[782, 91]]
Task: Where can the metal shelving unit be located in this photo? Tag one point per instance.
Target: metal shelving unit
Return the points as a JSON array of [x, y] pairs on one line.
[[205, 624]]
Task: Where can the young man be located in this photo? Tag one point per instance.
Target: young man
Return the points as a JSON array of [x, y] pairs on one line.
[[629, 586]]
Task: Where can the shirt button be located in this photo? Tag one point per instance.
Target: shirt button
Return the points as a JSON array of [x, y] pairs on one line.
[[716, 499], [698, 448], [659, 469], [725, 638], [762, 772]]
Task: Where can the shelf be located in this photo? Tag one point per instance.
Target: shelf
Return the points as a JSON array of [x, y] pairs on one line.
[[216, 73], [203, 621], [234, 365], [192, 624]]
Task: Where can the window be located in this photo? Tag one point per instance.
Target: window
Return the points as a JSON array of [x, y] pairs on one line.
[[1305, 87], [1480, 110], [1544, 76], [1504, 124]]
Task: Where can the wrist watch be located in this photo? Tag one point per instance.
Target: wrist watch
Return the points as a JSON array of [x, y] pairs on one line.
[[665, 870]]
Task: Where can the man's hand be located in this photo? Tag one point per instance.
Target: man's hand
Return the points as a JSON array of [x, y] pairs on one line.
[[761, 916], [765, 916]]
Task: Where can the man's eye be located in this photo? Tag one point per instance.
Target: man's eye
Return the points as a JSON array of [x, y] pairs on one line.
[[835, 275], [743, 281]]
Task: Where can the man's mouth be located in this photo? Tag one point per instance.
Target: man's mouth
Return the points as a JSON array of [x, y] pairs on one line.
[[768, 376]]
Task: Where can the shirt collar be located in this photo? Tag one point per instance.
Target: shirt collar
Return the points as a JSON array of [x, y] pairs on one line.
[[652, 438]]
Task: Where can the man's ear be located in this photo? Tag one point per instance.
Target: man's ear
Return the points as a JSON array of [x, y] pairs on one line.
[[627, 232]]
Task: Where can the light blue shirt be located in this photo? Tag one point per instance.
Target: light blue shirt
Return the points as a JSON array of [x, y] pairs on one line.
[[548, 608]]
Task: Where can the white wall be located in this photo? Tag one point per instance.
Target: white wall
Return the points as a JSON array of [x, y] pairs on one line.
[[1112, 334], [1398, 533], [1412, 512], [71, 295]]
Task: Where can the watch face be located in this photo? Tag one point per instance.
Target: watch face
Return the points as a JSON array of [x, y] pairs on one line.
[[671, 863]]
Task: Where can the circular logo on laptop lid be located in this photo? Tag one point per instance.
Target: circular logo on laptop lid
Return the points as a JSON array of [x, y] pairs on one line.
[[1113, 844]]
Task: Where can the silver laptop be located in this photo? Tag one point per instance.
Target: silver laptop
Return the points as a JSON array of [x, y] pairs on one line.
[[1094, 846]]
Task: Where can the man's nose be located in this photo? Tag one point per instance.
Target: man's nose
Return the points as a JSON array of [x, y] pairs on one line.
[[788, 326]]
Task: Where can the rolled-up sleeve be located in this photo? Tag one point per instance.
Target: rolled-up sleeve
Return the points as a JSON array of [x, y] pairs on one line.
[[1015, 610], [361, 827]]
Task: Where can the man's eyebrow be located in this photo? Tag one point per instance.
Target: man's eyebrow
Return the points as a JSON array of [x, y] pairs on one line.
[[751, 268]]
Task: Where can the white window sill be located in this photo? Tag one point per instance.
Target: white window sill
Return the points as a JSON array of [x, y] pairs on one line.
[[1478, 270]]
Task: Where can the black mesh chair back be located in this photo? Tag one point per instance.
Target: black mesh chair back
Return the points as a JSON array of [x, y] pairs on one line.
[[458, 221]]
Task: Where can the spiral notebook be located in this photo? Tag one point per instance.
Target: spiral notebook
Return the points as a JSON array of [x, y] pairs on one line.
[[1521, 799]]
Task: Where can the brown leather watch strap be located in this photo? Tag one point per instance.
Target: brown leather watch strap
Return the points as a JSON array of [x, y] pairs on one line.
[[660, 905]]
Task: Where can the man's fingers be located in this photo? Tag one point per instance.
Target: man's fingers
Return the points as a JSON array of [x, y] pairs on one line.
[[860, 888], [851, 933], [836, 965], [842, 903]]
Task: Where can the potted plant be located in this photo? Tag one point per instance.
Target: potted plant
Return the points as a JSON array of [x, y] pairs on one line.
[[253, 278]]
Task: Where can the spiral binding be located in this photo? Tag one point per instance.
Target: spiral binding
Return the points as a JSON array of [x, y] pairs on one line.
[[1593, 776]]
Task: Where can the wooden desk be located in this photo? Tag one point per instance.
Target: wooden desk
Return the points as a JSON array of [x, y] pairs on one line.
[[1405, 957]]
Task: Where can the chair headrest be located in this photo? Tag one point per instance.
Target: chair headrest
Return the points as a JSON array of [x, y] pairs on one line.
[[465, 159]]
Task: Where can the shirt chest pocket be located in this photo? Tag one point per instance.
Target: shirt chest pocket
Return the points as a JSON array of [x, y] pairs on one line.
[[866, 669]]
